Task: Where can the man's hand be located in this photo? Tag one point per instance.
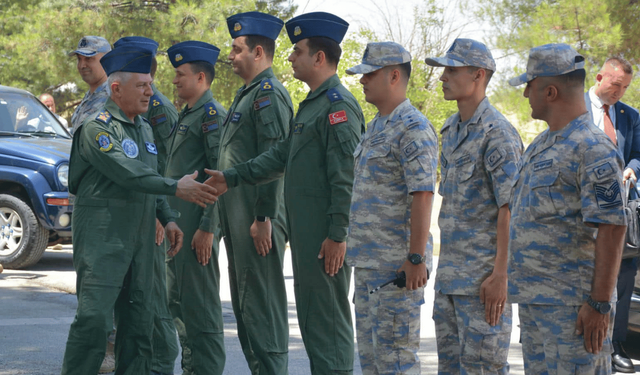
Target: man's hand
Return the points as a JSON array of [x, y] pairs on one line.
[[175, 236], [629, 174], [333, 254], [202, 243], [593, 326], [159, 233], [261, 234], [493, 294], [217, 181], [192, 191], [417, 274]]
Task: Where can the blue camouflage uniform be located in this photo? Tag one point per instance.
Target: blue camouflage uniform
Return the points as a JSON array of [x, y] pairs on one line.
[[569, 182], [398, 155], [478, 164]]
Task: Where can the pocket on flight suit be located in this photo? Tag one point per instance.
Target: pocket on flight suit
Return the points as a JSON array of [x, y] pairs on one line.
[[546, 198]]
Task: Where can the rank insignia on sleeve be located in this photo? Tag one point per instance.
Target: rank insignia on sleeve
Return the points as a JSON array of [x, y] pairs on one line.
[[159, 119], [297, 128], [104, 116], [209, 126], [182, 128], [261, 103], [337, 117], [130, 148], [151, 148], [266, 85], [603, 170], [608, 194], [104, 142]]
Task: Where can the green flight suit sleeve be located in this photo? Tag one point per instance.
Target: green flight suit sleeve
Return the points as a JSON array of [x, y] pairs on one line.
[[162, 118], [266, 167], [342, 139], [113, 163], [272, 116], [164, 213], [211, 138]]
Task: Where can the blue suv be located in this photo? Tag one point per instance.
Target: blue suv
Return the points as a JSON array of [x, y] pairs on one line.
[[35, 210]]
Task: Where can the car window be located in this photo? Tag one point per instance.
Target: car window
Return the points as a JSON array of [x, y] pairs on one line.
[[23, 113]]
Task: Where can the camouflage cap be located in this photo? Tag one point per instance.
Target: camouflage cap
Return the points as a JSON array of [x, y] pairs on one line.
[[379, 55], [465, 52], [90, 45], [549, 60]]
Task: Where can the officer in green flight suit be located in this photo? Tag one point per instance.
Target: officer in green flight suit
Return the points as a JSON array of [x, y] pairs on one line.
[[162, 115], [193, 275], [252, 217], [318, 158], [113, 173]]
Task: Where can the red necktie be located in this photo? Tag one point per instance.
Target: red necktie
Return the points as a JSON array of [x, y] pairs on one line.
[[608, 124]]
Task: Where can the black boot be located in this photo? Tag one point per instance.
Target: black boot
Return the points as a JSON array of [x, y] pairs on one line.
[[620, 359]]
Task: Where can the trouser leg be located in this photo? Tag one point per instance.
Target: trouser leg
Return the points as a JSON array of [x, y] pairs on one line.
[[165, 344], [626, 281]]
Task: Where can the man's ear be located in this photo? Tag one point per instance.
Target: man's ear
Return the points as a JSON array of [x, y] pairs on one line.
[[320, 58], [258, 52], [551, 93]]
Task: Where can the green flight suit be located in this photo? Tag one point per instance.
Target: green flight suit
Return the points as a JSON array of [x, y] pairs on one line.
[[258, 118], [113, 173], [318, 158], [194, 289], [162, 115]]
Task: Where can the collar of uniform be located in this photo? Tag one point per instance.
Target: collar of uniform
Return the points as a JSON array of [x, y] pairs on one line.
[[333, 81], [482, 107], [570, 127], [396, 114], [117, 113], [206, 97]]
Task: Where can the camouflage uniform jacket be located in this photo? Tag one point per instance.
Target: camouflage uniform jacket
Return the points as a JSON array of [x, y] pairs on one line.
[[478, 168], [568, 179], [90, 104], [390, 164]]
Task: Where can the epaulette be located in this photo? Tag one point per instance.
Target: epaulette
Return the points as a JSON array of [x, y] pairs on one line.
[[266, 85], [155, 100], [104, 116], [334, 95], [210, 110], [412, 120]]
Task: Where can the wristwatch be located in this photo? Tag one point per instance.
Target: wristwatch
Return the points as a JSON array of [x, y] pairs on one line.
[[261, 219], [415, 258], [601, 307]]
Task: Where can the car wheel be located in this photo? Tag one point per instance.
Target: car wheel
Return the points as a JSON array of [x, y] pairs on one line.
[[22, 238]]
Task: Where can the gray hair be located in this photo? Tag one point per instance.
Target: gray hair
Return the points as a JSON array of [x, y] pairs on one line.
[[121, 77]]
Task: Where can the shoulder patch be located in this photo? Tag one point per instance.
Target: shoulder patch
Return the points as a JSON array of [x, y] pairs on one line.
[[266, 85], [411, 150], [104, 141], [261, 103], [338, 117], [155, 100], [209, 126], [210, 109], [104, 116], [603, 170], [334, 95], [608, 194], [495, 158]]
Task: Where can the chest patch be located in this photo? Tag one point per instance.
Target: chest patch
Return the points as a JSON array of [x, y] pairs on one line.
[[104, 142], [151, 148], [297, 128], [608, 194], [159, 119], [182, 128], [463, 160], [235, 117], [337, 117], [130, 148], [542, 165], [603, 170], [378, 139], [209, 126], [261, 103]]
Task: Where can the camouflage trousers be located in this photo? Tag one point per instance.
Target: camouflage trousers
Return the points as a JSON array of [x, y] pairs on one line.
[[467, 344], [550, 344], [387, 324]]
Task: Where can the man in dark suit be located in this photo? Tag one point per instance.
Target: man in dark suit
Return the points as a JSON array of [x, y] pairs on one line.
[[622, 124]]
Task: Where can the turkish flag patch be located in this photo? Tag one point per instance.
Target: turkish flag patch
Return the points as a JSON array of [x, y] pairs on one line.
[[337, 117]]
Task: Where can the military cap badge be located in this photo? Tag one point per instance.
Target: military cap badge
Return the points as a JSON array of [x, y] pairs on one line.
[[83, 43], [297, 31], [237, 26], [178, 57]]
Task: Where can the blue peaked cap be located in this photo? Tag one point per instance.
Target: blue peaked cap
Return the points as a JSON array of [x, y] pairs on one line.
[[126, 58], [254, 23], [140, 41], [316, 24], [192, 50]]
